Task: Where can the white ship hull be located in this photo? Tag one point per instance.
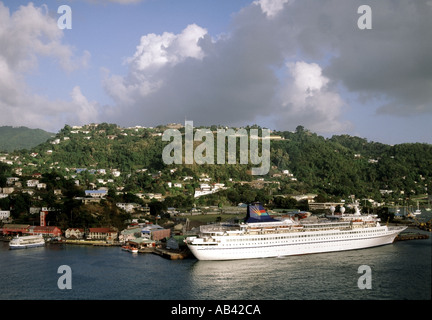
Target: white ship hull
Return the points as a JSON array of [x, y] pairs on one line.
[[276, 245], [26, 242]]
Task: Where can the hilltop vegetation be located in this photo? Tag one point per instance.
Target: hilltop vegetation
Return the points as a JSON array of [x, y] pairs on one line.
[[17, 138], [345, 165], [340, 166]]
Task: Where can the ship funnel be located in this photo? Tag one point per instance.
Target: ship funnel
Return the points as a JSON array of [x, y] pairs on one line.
[[257, 213]]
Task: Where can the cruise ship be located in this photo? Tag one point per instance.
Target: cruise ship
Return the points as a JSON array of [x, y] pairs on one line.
[[261, 236], [25, 242]]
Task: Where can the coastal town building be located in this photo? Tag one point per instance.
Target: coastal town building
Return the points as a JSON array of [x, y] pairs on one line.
[[25, 229], [155, 232], [74, 233], [324, 205], [32, 183], [15, 229], [133, 207], [8, 190], [4, 214], [140, 237], [87, 200], [205, 189], [107, 234], [142, 243], [172, 243], [49, 231], [130, 234], [11, 180], [96, 193]]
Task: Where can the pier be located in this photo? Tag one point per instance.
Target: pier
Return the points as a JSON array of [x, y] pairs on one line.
[[411, 236], [96, 243], [164, 253], [172, 255]]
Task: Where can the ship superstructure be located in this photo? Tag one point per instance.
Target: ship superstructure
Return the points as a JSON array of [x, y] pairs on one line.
[[24, 242]]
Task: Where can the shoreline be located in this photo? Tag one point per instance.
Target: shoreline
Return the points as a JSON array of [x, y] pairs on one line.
[[165, 253]]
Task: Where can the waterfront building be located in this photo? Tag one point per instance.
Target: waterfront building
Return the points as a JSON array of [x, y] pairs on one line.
[[15, 229], [142, 243], [108, 234], [155, 232], [74, 233], [49, 231], [130, 234]]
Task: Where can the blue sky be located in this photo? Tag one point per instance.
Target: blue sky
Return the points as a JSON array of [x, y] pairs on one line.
[[111, 31], [276, 63]]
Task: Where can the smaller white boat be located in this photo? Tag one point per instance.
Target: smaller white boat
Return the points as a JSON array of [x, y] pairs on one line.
[[130, 249], [25, 242]]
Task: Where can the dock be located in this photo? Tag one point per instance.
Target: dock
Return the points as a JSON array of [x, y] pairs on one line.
[[411, 236], [147, 250], [162, 252], [172, 255], [98, 243]]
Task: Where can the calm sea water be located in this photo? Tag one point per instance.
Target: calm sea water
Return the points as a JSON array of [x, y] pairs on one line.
[[398, 271]]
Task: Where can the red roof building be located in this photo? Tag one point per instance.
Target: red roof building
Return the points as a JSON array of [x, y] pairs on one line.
[[14, 229], [51, 231]]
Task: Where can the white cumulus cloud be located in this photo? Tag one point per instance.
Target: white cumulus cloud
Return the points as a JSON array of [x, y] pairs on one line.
[[26, 35], [307, 99], [155, 51], [272, 7], [152, 62]]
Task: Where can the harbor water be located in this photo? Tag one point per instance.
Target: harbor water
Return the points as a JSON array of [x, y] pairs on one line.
[[400, 271]]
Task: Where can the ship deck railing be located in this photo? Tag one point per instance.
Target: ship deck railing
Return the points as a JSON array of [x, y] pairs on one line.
[[221, 229], [218, 228]]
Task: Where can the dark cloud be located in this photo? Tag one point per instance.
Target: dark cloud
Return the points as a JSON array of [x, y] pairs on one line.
[[390, 61], [288, 62]]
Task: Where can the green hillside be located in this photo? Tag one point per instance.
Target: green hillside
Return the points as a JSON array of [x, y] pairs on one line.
[[339, 166], [16, 138], [129, 160], [344, 165]]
